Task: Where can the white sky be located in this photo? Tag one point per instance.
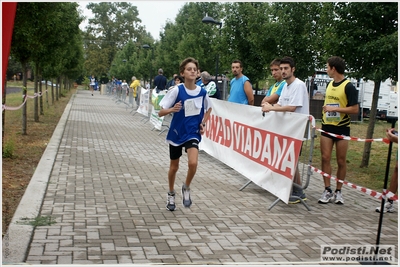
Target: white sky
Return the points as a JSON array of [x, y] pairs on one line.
[[154, 14]]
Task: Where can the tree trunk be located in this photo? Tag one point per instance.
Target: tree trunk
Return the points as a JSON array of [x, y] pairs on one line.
[[59, 86], [371, 124], [62, 80], [47, 94], [56, 89], [52, 93], [41, 95], [24, 93], [36, 99], [59, 82]]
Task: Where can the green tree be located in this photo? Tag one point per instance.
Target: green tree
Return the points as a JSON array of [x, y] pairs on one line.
[[113, 26], [189, 37], [366, 36], [245, 28], [74, 62], [67, 57], [42, 32], [21, 48], [297, 29], [167, 55], [55, 25], [129, 62]]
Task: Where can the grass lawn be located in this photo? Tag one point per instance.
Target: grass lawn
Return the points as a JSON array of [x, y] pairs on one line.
[[23, 152]]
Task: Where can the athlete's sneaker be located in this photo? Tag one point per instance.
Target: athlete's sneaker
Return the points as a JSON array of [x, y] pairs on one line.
[[326, 197], [389, 207], [171, 201], [186, 200], [294, 198], [338, 198]]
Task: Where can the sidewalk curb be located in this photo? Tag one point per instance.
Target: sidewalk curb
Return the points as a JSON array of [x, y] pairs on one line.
[[15, 243]]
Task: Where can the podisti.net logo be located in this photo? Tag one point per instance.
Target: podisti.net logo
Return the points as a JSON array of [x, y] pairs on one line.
[[358, 253]]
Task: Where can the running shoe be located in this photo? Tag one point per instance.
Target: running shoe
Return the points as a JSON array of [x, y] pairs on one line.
[[338, 198], [171, 201], [326, 197], [296, 196], [186, 200], [389, 207]]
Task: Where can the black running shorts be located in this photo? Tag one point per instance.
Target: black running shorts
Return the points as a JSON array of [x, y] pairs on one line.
[[175, 152], [335, 130]]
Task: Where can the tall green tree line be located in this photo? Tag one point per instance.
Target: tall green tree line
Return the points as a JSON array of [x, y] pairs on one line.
[[47, 36]]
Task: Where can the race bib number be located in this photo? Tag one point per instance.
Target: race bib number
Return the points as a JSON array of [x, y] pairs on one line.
[[193, 106], [333, 115]]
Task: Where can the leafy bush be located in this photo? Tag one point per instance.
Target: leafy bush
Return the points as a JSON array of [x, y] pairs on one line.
[[86, 82], [8, 149]]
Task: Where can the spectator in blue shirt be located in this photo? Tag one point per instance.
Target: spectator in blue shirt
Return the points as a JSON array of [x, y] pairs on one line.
[[275, 90], [241, 90]]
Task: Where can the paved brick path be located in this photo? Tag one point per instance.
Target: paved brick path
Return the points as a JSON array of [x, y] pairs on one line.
[[107, 194]]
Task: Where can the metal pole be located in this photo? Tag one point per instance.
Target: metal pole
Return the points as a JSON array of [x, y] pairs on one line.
[[217, 63], [151, 66], [378, 236], [216, 71]]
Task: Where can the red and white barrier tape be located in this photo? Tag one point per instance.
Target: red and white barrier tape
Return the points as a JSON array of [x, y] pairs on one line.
[[386, 193], [354, 138]]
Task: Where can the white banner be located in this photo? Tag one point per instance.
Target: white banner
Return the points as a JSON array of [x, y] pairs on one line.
[[144, 104], [155, 120], [155, 101], [263, 149]]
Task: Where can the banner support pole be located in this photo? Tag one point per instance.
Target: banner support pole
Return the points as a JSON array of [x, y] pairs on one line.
[[244, 186]]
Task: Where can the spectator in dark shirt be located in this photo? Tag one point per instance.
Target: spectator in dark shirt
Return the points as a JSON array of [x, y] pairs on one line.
[[160, 81], [172, 81]]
